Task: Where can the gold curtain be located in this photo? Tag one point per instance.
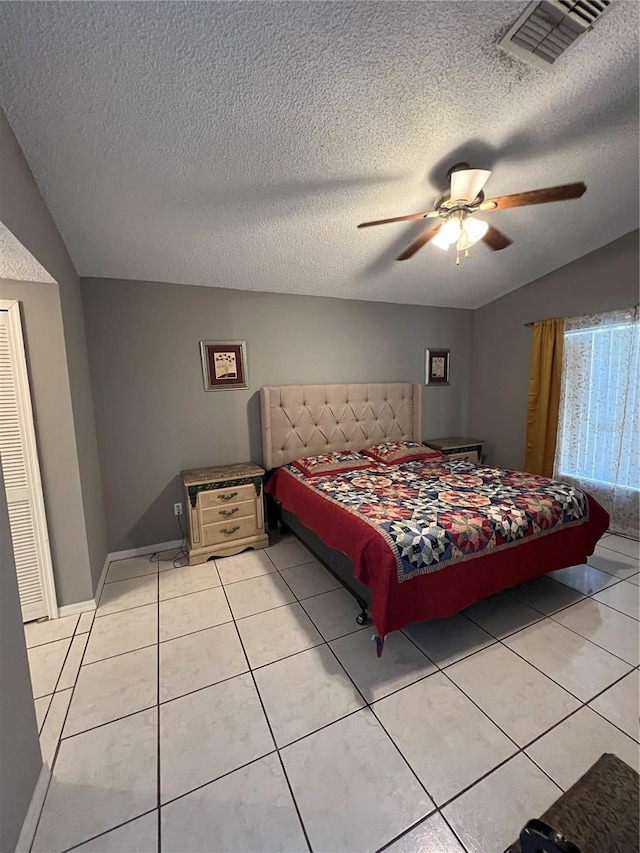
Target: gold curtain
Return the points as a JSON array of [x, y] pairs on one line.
[[543, 402]]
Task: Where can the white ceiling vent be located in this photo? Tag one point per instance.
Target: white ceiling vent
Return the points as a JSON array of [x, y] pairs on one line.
[[548, 28]]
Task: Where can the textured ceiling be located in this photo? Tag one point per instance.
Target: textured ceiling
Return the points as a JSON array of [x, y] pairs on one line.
[[17, 263], [238, 144]]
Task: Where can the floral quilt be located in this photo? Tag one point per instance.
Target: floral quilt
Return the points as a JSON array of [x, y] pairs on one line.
[[433, 514]]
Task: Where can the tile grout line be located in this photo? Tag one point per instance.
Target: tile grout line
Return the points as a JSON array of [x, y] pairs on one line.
[[59, 738], [406, 831], [133, 577], [66, 657], [57, 640], [615, 550], [128, 652], [53, 693], [215, 779], [455, 833], [106, 831], [551, 678], [266, 717], [55, 689]]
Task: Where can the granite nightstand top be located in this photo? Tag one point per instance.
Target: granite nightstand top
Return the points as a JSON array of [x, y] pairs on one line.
[[452, 442], [221, 472]]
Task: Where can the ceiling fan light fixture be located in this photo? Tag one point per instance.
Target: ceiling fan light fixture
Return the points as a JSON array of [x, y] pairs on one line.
[[448, 234], [474, 230]]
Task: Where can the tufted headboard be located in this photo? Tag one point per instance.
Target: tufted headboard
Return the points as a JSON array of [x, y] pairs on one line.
[[306, 420]]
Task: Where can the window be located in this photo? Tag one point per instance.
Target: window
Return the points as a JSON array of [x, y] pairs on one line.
[[598, 432]]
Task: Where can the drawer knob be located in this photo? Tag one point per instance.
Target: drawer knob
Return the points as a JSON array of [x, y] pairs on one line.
[[229, 531], [229, 497], [227, 513]]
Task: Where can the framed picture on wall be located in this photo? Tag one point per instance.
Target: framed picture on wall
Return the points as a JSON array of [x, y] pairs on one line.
[[224, 365], [436, 367]]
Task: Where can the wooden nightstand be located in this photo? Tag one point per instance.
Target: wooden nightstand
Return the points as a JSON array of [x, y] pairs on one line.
[[225, 510], [457, 447]]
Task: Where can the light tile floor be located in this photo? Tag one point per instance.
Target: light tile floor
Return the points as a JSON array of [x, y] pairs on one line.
[[238, 706]]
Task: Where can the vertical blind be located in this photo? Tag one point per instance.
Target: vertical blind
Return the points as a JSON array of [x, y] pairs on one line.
[[599, 424]]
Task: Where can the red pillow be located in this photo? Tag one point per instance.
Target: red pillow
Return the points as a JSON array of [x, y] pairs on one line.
[[393, 452], [331, 463]]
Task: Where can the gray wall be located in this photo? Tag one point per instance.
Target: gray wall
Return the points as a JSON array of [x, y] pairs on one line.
[[601, 281], [51, 402], [24, 212], [154, 417], [20, 759]]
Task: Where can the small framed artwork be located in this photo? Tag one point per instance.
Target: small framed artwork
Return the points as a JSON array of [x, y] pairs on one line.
[[224, 365], [436, 367]]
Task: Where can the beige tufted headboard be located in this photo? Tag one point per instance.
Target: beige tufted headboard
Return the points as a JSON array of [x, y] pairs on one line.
[[305, 420]]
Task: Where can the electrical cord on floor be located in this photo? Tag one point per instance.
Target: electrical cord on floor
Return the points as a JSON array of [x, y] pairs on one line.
[[180, 558]]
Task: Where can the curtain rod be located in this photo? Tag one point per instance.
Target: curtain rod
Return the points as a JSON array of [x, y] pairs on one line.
[[636, 308]]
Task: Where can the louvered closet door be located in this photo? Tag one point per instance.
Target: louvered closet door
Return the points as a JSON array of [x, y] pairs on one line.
[[19, 489]]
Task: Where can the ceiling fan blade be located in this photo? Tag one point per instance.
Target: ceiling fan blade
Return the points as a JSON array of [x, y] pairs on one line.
[[466, 184], [563, 192], [424, 238], [496, 240], [409, 216]]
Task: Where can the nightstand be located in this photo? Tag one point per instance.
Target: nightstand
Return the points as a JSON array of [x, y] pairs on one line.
[[457, 447], [225, 510]]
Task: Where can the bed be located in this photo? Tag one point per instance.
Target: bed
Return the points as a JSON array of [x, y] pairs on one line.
[[421, 539]]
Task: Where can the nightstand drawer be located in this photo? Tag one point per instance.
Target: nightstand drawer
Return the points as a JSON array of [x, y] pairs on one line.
[[210, 515], [467, 455], [227, 531], [222, 497]]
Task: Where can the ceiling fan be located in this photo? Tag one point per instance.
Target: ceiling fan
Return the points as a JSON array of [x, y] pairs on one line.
[[457, 209]]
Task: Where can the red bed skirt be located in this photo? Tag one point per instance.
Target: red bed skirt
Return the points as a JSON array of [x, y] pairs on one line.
[[446, 591]]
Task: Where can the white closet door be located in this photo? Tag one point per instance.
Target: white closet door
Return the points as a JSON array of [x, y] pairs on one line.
[[22, 476]]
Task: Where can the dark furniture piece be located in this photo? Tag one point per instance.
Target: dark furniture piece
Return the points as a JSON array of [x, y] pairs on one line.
[[599, 814]]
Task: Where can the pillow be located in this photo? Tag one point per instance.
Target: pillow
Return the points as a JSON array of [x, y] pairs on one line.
[[331, 463], [393, 452]]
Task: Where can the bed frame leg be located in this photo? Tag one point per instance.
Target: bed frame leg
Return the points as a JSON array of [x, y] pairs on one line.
[[273, 513], [363, 617]]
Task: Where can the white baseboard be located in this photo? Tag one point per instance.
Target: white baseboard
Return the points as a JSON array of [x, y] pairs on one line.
[[101, 580], [91, 604], [147, 549], [77, 607], [30, 823]]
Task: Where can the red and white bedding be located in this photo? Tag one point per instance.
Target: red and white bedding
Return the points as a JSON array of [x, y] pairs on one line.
[[429, 538]]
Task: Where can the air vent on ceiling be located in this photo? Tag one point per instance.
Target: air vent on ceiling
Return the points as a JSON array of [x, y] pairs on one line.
[[548, 28]]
